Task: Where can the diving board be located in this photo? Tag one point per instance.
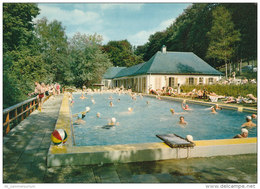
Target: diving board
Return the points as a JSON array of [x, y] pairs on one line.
[[175, 141]]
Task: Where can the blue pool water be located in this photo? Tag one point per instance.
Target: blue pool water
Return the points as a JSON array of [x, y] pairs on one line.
[[147, 120]]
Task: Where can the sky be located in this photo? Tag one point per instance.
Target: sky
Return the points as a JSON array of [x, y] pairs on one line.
[[114, 21]]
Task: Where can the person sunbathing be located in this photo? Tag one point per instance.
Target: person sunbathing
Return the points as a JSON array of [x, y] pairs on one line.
[[230, 100], [252, 97]]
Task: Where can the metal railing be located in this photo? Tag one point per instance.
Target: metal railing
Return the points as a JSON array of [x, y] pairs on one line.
[[18, 112]]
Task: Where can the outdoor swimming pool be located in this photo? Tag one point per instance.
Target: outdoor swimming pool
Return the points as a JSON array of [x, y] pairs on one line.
[[147, 120]]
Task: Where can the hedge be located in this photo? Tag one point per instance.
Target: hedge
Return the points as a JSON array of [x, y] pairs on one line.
[[225, 90]]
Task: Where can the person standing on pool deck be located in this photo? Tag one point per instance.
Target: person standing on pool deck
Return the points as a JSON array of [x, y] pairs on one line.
[[249, 122], [244, 134], [38, 91]]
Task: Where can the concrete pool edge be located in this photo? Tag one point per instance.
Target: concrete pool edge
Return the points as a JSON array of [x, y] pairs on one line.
[[69, 154]]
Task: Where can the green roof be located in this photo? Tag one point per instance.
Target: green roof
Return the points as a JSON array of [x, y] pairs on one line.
[[111, 72], [177, 63], [129, 71], [170, 63]]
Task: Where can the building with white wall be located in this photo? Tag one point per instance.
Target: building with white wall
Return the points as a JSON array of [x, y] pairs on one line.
[[162, 70]]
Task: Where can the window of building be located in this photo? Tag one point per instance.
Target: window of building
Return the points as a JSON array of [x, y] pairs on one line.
[[210, 80], [191, 81], [201, 79], [171, 81]]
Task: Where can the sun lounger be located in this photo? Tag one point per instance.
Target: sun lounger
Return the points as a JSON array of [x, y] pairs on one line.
[[213, 98]]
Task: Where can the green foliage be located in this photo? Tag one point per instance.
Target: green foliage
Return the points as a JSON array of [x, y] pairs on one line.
[[193, 31], [17, 24], [244, 16], [88, 62], [21, 58], [225, 90], [54, 48], [222, 35], [121, 53]]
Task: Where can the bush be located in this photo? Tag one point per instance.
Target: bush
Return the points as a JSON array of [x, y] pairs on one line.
[[225, 90]]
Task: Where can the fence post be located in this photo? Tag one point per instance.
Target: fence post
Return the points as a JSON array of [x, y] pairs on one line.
[[15, 114], [27, 113], [33, 105], [8, 125], [22, 111], [30, 107]]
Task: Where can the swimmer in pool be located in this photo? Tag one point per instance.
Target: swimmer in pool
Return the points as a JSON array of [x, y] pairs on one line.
[[130, 109], [118, 100], [93, 101], [254, 116], [244, 134], [217, 107], [185, 107], [98, 115], [213, 110], [79, 121], [111, 123], [147, 102], [110, 98], [249, 122], [82, 96], [175, 113], [111, 104], [83, 113], [182, 122]]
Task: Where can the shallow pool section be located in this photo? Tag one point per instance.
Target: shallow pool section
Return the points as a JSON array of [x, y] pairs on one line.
[[146, 120]]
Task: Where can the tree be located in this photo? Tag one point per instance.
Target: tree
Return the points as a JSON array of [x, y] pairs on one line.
[[54, 48], [88, 62], [121, 53], [22, 62], [18, 25], [244, 16], [223, 36]]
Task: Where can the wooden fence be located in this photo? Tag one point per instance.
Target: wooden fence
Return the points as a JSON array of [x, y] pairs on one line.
[[16, 113]]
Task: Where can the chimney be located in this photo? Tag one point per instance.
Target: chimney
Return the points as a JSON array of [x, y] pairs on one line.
[[163, 49]]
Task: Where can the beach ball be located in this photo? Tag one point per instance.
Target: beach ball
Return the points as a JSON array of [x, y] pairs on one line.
[[59, 136]]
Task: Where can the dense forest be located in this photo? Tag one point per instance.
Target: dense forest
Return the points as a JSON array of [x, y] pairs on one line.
[[221, 34], [218, 33]]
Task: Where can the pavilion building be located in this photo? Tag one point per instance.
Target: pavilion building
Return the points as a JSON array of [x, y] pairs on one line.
[[162, 70]]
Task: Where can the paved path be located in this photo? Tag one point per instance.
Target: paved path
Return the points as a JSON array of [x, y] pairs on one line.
[[25, 149]]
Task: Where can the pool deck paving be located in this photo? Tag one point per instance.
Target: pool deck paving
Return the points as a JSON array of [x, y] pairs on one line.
[[25, 151]]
